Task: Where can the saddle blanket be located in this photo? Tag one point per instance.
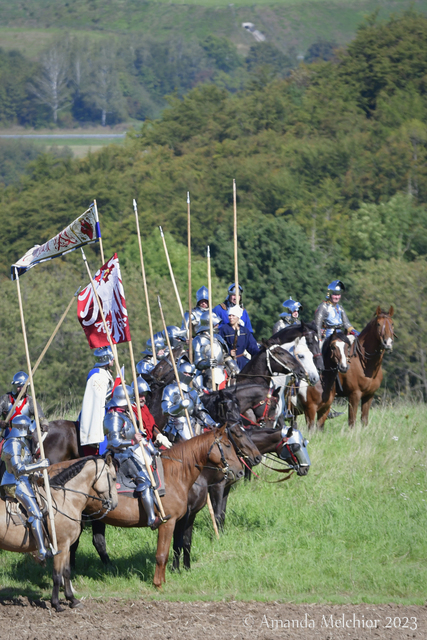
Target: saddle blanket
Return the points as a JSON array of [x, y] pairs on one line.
[[125, 478]]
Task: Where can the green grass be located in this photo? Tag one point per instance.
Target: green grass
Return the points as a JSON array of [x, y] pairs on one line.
[[352, 531]]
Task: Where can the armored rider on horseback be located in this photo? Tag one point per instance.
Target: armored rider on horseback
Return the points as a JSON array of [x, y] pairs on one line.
[[202, 304], [204, 360], [16, 481], [330, 314], [25, 406], [123, 441], [174, 406], [289, 316]]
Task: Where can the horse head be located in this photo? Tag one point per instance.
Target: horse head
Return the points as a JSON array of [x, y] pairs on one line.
[[312, 340], [335, 351], [302, 353], [243, 444], [105, 481], [294, 450], [385, 328], [221, 454], [281, 360]]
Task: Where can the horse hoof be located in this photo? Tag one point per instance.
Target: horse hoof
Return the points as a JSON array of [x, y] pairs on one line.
[[76, 604], [58, 608]]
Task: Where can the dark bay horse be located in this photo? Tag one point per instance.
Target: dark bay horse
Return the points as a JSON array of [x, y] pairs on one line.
[[364, 374], [88, 480], [316, 401], [305, 330], [182, 465]]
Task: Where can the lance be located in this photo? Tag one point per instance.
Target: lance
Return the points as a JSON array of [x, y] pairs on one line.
[[190, 324], [41, 356], [144, 279], [236, 268], [210, 316], [120, 375], [101, 246], [36, 418], [173, 278], [187, 415]]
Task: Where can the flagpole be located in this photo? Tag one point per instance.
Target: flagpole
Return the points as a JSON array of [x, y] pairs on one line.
[[173, 277], [236, 268], [147, 301], [36, 418], [190, 324], [101, 246], [41, 356], [187, 415], [119, 373], [210, 317]]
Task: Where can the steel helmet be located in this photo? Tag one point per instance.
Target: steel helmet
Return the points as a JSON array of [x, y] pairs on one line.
[[118, 398], [336, 287], [292, 305], [143, 386], [204, 322], [186, 371], [104, 356], [232, 290], [202, 294], [22, 427], [143, 367], [18, 381], [159, 344], [176, 335]]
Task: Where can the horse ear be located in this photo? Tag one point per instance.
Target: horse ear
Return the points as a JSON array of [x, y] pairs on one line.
[[109, 459], [378, 311], [222, 429], [296, 343], [391, 311]]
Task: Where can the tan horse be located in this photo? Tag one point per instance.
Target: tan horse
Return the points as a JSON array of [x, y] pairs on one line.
[[364, 374], [70, 495], [182, 466]]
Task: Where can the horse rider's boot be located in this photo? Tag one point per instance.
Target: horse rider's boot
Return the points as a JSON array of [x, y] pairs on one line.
[[287, 415], [37, 530], [147, 500]]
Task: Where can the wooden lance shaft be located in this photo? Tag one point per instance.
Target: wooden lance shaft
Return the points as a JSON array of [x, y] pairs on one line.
[[187, 415], [173, 279], [190, 324], [210, 316], [144, 279], [119, 373], [236, 266], [36, 418], [41, 356]]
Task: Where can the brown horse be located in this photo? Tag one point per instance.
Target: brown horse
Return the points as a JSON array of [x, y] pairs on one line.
[[182, 466], [364, 374], [316, 401], [88, 480]]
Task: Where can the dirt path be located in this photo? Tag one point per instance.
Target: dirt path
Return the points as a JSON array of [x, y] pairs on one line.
[[128, 620]]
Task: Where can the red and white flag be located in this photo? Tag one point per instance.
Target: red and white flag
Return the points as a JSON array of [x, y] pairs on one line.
[[109, 287], [85, 230]]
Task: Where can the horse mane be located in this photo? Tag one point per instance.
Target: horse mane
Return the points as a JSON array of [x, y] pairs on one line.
[[69, 473], [185, 452]]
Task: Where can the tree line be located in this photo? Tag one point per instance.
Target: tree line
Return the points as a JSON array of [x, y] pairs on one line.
[[330, 165]]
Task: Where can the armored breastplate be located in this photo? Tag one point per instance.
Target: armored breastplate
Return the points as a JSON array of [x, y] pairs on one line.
[[202, 349], [14, 450], [334, 317]]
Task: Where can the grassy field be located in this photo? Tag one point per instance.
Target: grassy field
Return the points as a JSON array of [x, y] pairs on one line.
[[352, 531], [32, 26]]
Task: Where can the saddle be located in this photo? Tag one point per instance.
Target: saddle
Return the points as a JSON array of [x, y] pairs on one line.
[[127, 473]]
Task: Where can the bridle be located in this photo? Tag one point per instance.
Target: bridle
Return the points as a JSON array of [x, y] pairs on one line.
[[269, 355], [226, 467]]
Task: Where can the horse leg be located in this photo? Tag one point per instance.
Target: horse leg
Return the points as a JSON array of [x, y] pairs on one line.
[[165, 533], [248, 474], [74, 547], [224, 504], [188, 537], [353, 402], [321, 418], [58, 567], [310, 416], [216, 493], [178, 540], [366, 405], [98, 540], [68, 589]]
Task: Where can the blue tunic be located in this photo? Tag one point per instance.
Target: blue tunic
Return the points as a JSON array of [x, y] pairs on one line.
[[245, 342], [223, 314]]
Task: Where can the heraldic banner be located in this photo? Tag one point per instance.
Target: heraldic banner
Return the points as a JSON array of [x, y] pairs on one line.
[[85, 230], [109, 287]]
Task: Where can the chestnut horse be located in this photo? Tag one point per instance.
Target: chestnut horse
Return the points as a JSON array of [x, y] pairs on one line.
[[87, 480], [182, 465], [364, 374]]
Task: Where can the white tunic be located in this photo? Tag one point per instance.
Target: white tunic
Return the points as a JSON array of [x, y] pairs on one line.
[[99, 384]]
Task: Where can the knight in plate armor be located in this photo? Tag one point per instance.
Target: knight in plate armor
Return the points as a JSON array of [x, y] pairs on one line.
[[202, 304], [16, 481], [330, 314], [239, 339], [152, 431], [220, 360], [146, 365], [221, 310], [25, 406], [289, 316], [174, 406], [124, 442], [99, 386]]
